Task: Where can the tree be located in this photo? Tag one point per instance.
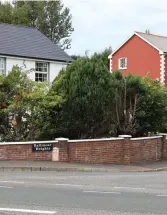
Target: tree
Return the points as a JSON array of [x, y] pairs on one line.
[[52, 18], [85, 90], [6, 12], [23, 106], [103, 56], [97, 103], [128, 93], [75, 57], [152, 114]]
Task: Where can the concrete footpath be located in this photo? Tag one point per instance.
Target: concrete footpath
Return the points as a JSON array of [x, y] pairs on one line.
[[60, 167]]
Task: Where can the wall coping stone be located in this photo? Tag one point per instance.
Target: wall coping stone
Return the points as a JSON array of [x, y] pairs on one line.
[[27, 143], [125, 136], [121, 137], [146, 138], [61, 139], [95, 140]]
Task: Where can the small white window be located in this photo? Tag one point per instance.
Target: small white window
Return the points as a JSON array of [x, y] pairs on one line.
[[123, 63], [2, 66], [41, 71]]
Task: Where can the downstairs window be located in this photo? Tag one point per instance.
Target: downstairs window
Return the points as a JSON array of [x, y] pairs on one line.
[[41, 71]]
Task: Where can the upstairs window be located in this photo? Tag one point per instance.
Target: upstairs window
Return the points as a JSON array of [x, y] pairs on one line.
[[123, 63], [2, 66], [41, 71]]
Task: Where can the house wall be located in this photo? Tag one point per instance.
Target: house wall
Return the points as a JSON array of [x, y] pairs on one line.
[[141, 58], [28, 64], [55, 69], [25, 64]]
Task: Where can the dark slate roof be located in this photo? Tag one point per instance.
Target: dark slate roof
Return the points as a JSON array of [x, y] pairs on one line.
[[29, 42]]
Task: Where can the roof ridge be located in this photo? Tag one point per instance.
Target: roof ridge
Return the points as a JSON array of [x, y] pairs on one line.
[[22, 26], [156, 35]]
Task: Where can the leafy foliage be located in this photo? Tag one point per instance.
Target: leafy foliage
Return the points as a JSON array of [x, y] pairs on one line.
[[97, 103], [152, 114], [23, 106], [84, 101], [83, 87], [75, 57], [128, 92], [103, 56]]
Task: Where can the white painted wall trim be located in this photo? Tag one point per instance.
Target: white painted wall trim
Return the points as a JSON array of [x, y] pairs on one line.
[[56, 141], [162, 69], [146, 138], [27, 143], [110, 64], [80, 141], [95, 140]]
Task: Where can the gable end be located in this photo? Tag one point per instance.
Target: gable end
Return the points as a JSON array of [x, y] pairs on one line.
[[135, 33]]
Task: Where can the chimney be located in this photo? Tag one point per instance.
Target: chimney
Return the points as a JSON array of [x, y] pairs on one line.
[[147, 31]]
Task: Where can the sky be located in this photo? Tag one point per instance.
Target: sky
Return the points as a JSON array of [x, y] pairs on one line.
[[99, 24]]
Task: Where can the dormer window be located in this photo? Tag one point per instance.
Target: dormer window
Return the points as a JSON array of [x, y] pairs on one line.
[[122, 63]]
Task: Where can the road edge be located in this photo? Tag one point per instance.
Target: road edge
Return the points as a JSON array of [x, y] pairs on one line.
[[78, 169]]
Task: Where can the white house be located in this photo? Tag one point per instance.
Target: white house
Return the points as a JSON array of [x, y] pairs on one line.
[[28, 48]]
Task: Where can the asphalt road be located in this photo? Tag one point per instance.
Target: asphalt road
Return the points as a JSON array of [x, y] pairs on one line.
[[83, 193]]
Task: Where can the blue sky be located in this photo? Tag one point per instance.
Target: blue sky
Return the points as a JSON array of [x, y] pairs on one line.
[[103, 23]]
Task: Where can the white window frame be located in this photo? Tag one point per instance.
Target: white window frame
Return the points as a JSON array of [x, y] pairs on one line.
[[42, 72], [119, 62], [2, 66]]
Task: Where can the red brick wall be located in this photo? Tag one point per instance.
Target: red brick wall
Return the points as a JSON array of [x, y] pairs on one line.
[[141, 58], [145, 150], [111, 151], [97, 152], [22, 152]]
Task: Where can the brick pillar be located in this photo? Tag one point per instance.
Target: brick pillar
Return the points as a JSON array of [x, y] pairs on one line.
[[163, 145], [126, 148], [63, 145]]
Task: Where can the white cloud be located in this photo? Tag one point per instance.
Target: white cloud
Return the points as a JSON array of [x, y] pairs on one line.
[[101, 23]]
